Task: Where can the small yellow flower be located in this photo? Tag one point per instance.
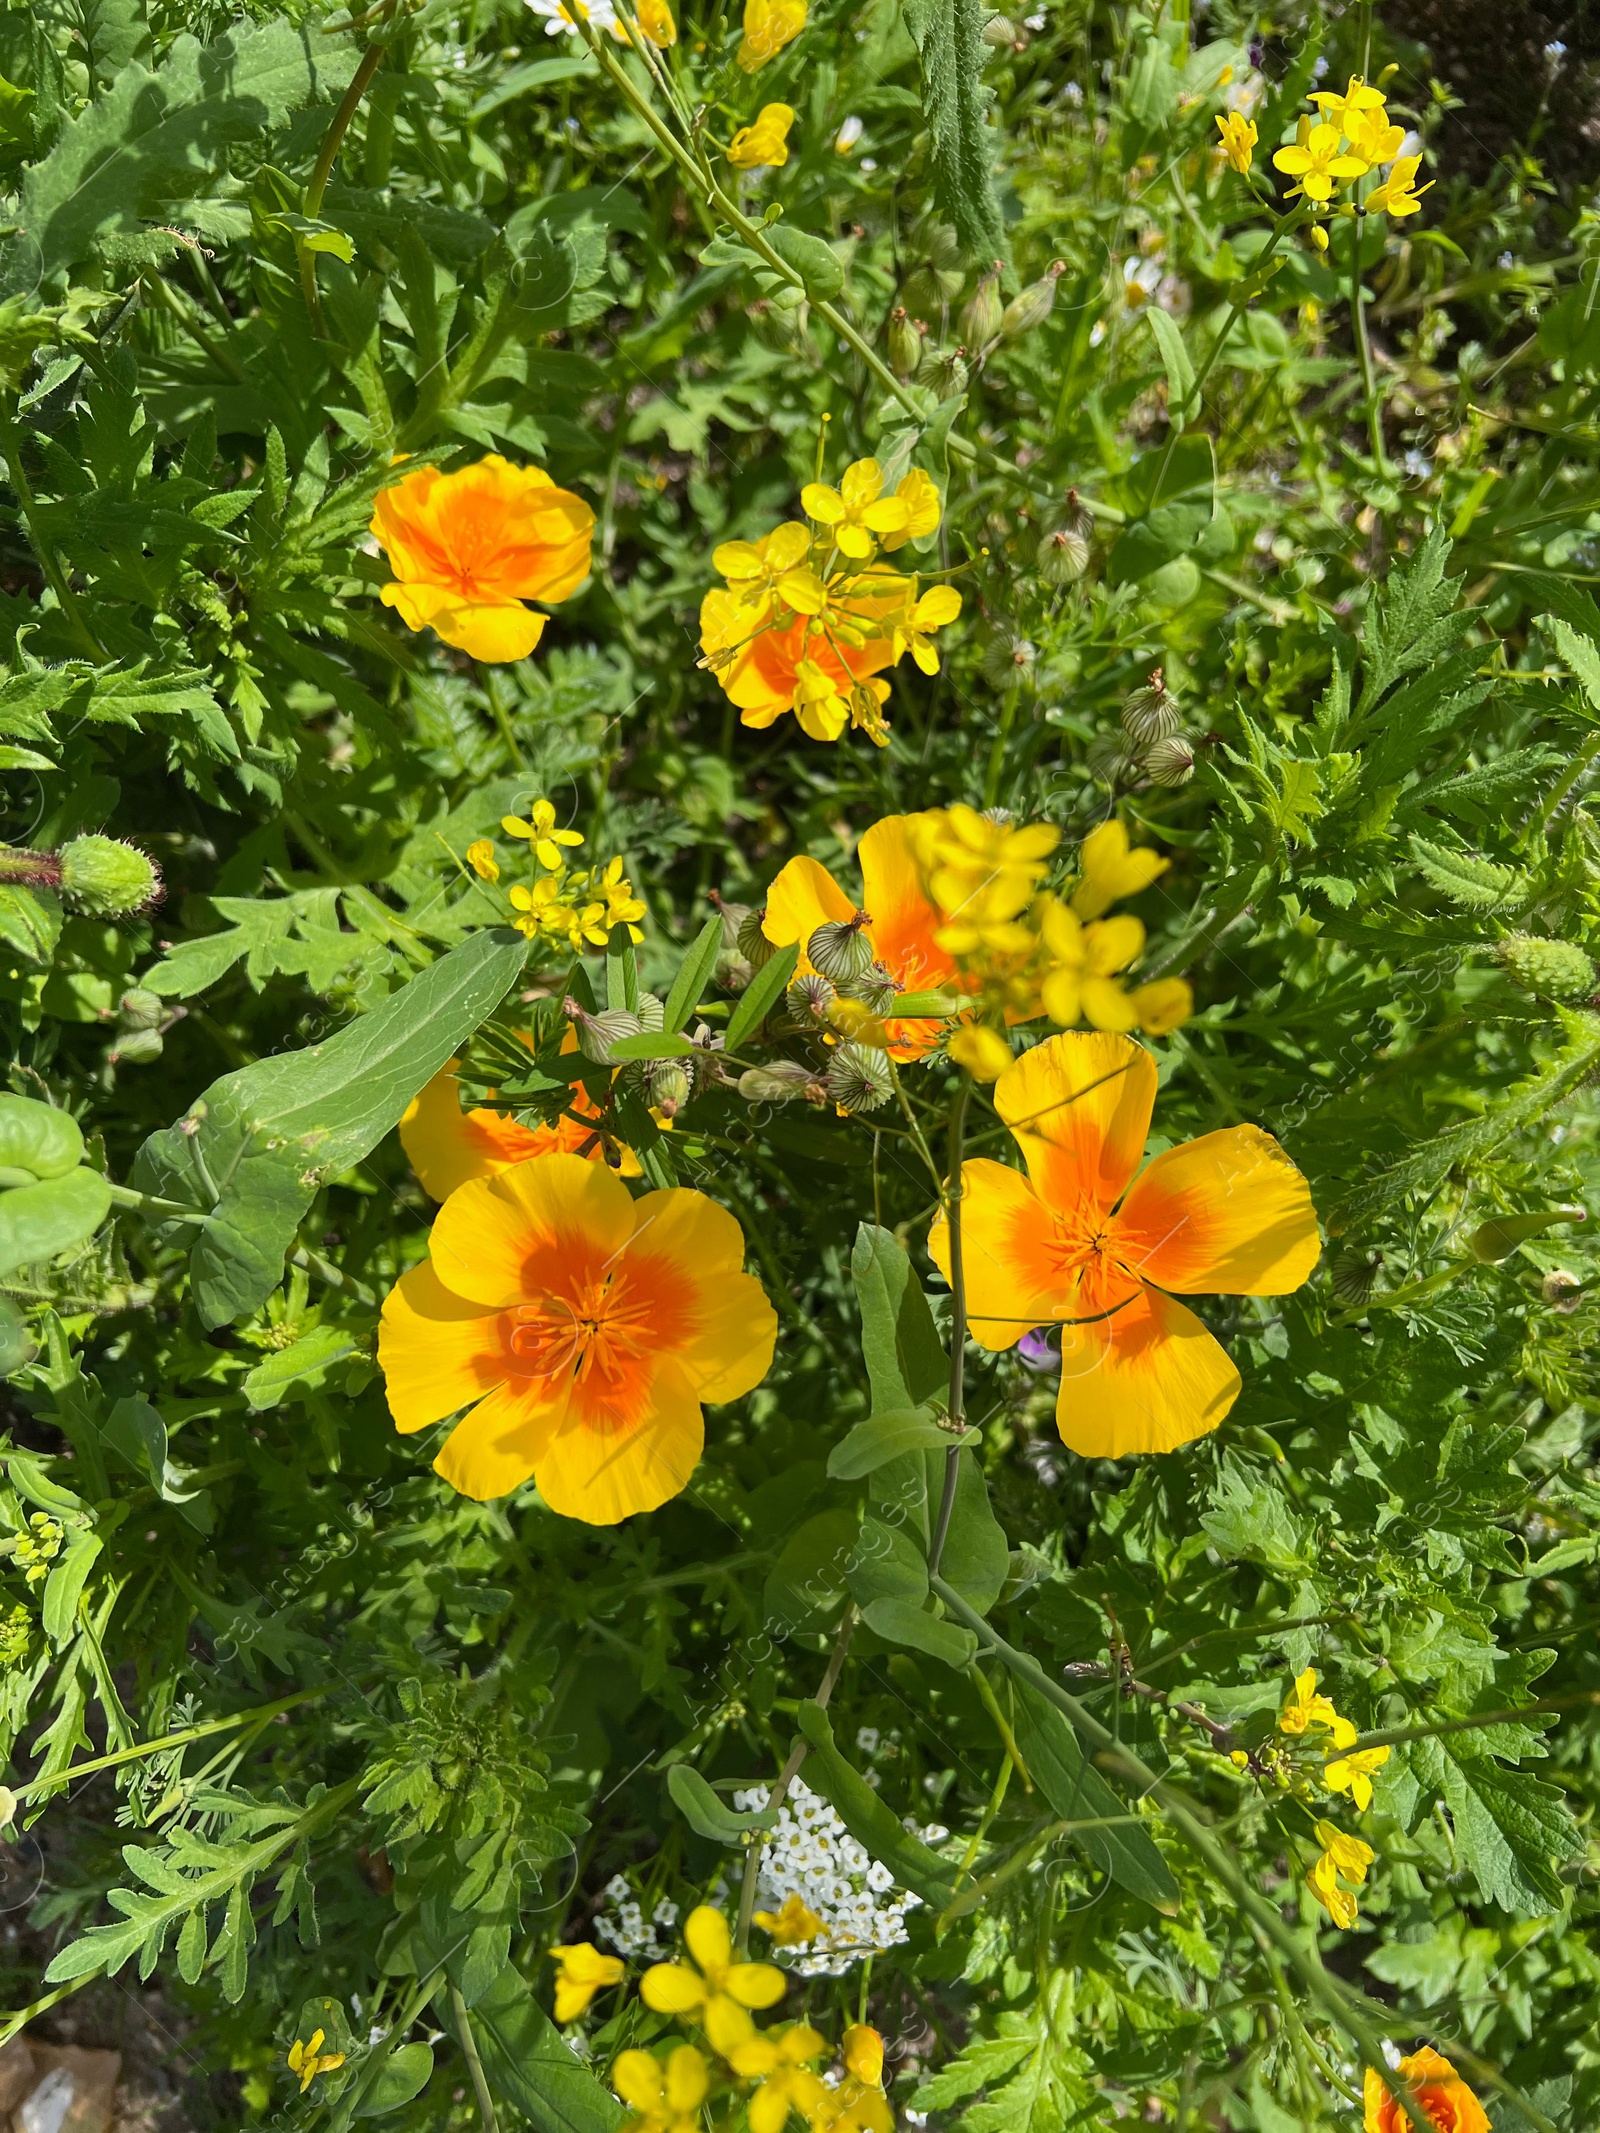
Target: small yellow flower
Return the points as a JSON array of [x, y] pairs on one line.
[[780, 2060], [1109, 870], [1374, 136], [1239, 137], [1399, 195], [794, 1924], [1353, 1773], [1341, 1855], [582, 1971], [654, 17], [1318, 160], [982, 1051], [1306, 1709], [481, 859], [664, 2099], [1163, 1005], [1081, 983], [540, 831], [857, 513], [768, 26], [863, 2054], [1346, 112], [310, 2060], [1319, 236], [718, 1982], [938, 607], [766, 142]]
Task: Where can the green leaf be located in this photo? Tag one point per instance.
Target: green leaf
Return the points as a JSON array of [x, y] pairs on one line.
[[64, 1586], [902, 1622], [1079, 1794], [812, 258], [537, 74], [806, 1586], [1182, 400], [905, 1359], [880, 1438], [1514, 1832], [705, 1813], [886, 1564], [158, 138], [533, 2068], [650, 1044], [268, 1137], [694, 975], [761, 995], [37, 1221], [870, 1820], [948, 35], [1582, 654], [30, 920], [305, 1362], [406, 2073], [1477, 884]]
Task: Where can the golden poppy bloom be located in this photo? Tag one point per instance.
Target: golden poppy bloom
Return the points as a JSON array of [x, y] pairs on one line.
[[1079, 1243], [768, 26], [714, 1987], [581, 1972], [581, 1329], [447, 1146], [1440, 2090], [901, 928], [766, 142], [467, 549]]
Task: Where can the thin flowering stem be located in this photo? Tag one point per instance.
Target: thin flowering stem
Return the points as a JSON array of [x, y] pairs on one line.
[[327, 156], [469, 2052], [956, 1419], [1369, 386]]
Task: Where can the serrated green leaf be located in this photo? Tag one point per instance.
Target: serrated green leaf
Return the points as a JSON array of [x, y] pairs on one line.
[[948, 35]]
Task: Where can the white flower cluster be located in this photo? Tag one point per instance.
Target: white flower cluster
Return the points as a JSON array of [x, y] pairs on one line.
[[810, 1854], [558, 18], [627, 1932]]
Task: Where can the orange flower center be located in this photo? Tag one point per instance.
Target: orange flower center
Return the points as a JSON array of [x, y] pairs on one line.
[[597, 1336], [1089, 1259]]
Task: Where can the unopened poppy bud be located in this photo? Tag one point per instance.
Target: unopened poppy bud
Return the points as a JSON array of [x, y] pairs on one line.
[[780, 1082], [136, 1047], [107, 878], [1551, 970], [139, 1009], [1169, 762], [859, 1078], [753, 944], [809, 998], [905, 342], [839, 948], [980, 317], [1353, 1274], [1033, 306], [1562, 1290], [1110, 758], [1151, 713], [1007, 661]]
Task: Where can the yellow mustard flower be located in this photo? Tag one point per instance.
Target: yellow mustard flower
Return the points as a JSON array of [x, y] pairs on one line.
[[1109, 870], [1399, 195], [1163, 1005], [766, 143], [1306, 1708], [778, 2059], [665, 2099], [1353, 1773], [714, 1981], [1319, 160], [1081, 983], [310, 2060], [982, 1051], [540, 831], [1341, 1856], [980, 873], [758, 571], [654, 18], [1239, 137], [935, 610], [768, 26], [481, 859], [581, 1972], [863, 2054], [1346, 111], [1375, 137], [857, 513], [792, 1925], [858, 2104]]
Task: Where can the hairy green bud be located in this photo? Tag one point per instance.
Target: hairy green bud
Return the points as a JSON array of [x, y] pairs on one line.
[[1353, 1275], [598, 1033], [1033, 306], [1065, 549], [751, 942], [107, 878], [905, 341], [1008, 660], [780, 1082], [1550, 970], [980, 316]]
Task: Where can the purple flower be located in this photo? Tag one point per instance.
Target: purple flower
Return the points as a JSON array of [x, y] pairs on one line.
[[1037, 1353]]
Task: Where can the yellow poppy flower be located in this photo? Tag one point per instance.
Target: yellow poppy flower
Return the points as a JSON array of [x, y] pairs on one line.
[[1353, 1774], [938, 607], [582, 1971], [768, 26], [665, 2099], [766, 143], [719, 1987], [1239, 137], [1110, 870], [1319, 161], [468, 548], [791, 1926], [1399, 195], [580, 1329]]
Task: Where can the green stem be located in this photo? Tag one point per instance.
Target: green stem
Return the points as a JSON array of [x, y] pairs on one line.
[[502, 719], [1352, 2014], [469, 2051], [148, 1203], [322, 169], [996, 1801], [196, 332], [49, 561], [135, 1754], [956, 1419], [1369, 388]]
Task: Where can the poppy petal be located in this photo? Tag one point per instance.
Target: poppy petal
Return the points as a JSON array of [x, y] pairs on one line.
[[1227, 1215], [725, 1335], [438, 1351], [1079, 1106], [1010, 1255], [803, 897], [1146, 1379], [543, 1223], [494, 1449], [601, 1474]]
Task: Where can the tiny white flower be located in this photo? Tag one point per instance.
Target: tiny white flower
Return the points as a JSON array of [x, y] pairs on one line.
[[1073, 94], [848, 135], [868, 163], [1035, 22], [867, 1739], [1319, 68]]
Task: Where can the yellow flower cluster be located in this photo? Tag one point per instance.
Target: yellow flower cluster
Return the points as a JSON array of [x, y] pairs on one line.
[[1023, 951], [578, 905], [37, 1547], [1351, 137], [1341, 1858], [810, 617]]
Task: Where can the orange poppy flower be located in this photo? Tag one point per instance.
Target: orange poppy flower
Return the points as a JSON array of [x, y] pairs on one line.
[[1440, 2090], [447, 1146], [1071, 1244], [468, 548], [581, 1328], [904, 921], [797, 666]]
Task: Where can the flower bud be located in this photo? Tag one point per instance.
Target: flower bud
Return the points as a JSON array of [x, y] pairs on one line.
[[1169, 762], [667, 1085], [1110, 759], [1064, 550], [597, 1033], [809, 998], [944, 372], [905, 341], [1151, 713], [1000, 32], [980, 317], [733, 917], [1033, 306], [1562, 1290], [136, 1047], [139, 1009], [1551, 970], [875, 988], [752, 943], [107, 878], [1353, 1274], [839, 948], [859, 1078], [1499, 1237], [780, 1082], [1007, 661]]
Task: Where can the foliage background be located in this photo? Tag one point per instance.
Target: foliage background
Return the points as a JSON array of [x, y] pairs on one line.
[[1405, 1494]]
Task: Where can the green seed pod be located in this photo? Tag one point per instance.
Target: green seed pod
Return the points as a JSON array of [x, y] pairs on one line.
[[140, 1009], [107, 878], [1033, 306], [733, 917], [1110, 758], [597, 1033], [752, 943], [1550, 970], [980, 317], [1169, 761], [651, 1011], [1353, 1275], [1151, 713], [875, 988], [944, 371], [37, 1140], [136, 1047], [859, 1078], [668, 1085], [809, 998], [1064, 551], [1007, 661], [839, 948], [1498, 1238], [905, 341], [780, 1082]]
